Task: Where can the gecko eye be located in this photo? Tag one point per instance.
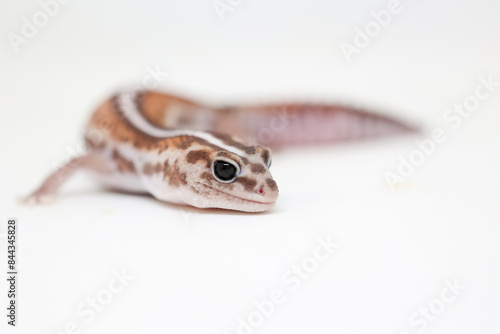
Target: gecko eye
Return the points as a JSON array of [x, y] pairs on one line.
[[269, 163], [225, 171]]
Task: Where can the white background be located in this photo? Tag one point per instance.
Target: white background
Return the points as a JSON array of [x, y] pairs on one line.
[[197, 271]]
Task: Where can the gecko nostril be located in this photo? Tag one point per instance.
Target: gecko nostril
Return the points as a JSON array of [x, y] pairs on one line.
[[260, 191]]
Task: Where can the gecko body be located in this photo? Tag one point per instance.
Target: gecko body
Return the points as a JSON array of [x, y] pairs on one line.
[[187, 153]]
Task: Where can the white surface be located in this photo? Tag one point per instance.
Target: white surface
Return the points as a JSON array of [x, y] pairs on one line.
[[198, 271]]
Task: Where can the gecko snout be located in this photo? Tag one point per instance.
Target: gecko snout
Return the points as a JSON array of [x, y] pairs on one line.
[[261, 190]]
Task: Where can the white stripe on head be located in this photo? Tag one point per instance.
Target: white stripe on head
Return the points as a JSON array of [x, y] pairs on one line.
[[128, 107]]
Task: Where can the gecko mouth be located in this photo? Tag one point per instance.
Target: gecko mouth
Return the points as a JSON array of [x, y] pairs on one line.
[[240, 198]]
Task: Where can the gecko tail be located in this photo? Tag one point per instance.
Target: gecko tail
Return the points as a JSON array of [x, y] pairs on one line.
[[282, 125]]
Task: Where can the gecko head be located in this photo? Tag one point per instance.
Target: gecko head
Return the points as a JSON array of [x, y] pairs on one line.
[[237, 179]]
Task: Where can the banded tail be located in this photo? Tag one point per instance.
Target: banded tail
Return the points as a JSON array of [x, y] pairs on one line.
[[272, 125]]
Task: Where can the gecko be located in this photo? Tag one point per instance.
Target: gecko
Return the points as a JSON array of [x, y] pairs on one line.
[[184, 152]]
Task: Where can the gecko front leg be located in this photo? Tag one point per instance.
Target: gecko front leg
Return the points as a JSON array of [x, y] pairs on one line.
[[47, 191]]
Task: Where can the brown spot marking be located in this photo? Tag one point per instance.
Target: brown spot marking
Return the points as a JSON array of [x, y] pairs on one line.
[[250, 149], [226, 154], [123, 164], [186, 143], [266, 155], [150, 169], [210, 180], [258, 168], [183, 177], [162, 145], [248, 183], [194, 156], [174, 179], [206, 176], [166, 169], [272, 184]]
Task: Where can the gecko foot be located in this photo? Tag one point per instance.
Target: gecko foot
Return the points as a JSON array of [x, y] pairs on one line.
[[38, 197]]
